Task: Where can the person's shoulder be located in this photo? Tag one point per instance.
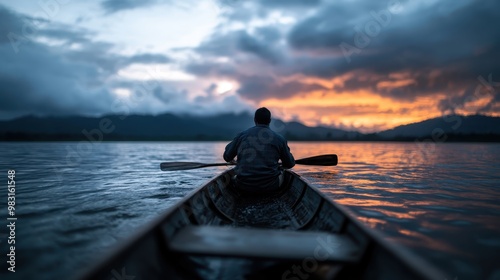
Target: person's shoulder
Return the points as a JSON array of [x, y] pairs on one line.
[[248, 130], [245, 132], [280, 137]]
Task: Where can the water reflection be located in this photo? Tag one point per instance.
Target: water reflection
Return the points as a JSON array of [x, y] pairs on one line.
[[441, 200]]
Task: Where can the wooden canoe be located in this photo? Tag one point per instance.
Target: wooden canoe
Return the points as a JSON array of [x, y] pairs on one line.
[[217, 233]]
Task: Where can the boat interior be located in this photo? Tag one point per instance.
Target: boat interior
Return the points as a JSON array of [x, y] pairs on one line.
[[218, 233]]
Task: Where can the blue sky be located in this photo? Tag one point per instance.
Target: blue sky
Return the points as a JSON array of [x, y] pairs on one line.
[[366, 65]]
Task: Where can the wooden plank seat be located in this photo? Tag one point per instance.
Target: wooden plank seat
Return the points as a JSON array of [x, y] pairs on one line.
[[265, 243]]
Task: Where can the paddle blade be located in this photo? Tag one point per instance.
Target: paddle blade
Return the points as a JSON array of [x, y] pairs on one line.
[[323, 160]]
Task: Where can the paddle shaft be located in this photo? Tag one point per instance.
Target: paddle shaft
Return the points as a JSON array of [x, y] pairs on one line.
[[321, 160]]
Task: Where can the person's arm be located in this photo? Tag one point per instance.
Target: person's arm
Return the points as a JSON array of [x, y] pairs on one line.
[[287, 159], [231, 149]]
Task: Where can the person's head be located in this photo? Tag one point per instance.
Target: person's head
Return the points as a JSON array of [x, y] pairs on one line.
[[262, 116]]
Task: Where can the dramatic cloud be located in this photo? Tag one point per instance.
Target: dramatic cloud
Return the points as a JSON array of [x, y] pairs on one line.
[[263, 87], [442, 47], [429, 53], [58, 70], [10, 22], [39, 79], [353, 64], [113, 6]]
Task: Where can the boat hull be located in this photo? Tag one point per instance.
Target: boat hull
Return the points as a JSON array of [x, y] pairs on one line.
[[218, 233]]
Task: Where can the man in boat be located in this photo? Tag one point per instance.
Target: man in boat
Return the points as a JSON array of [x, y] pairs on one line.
[[259, 149]]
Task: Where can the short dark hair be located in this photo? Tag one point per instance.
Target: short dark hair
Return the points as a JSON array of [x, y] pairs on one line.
[[262, 116]]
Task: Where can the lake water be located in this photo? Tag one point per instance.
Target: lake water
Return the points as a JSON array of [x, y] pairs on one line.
[[74, 201]]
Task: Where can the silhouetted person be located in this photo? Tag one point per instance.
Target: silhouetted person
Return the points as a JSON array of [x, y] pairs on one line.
[[258, 150]]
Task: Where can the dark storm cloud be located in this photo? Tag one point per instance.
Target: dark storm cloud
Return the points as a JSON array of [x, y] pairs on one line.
[[421, 83], [168, 94], [113, 6], [39, 81], [260, 47], [288, 3], [442, 45], [66, 33], [244, 10], [462, 40], [264, 87], [100, 55], [211, 69], [10, 22], [262, 44], [219, 44], [492, 105], [485, 89], [242, 50], [148, 58], [58, 80], [331, 25]]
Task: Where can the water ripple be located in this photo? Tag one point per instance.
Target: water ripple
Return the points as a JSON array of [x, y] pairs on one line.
[[442, 205]]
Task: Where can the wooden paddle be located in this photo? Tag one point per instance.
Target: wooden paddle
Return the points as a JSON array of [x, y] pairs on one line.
[[322, 160]]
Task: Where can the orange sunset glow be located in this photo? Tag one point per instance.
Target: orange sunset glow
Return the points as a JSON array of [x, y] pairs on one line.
[[366, 110], [362, 110], [290, 58], [236, 139]]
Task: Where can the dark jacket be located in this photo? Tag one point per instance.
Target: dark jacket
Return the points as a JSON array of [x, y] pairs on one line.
[[258, 150]]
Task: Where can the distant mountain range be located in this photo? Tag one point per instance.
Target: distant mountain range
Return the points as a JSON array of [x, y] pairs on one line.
[[448, 128], [226, 126]]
